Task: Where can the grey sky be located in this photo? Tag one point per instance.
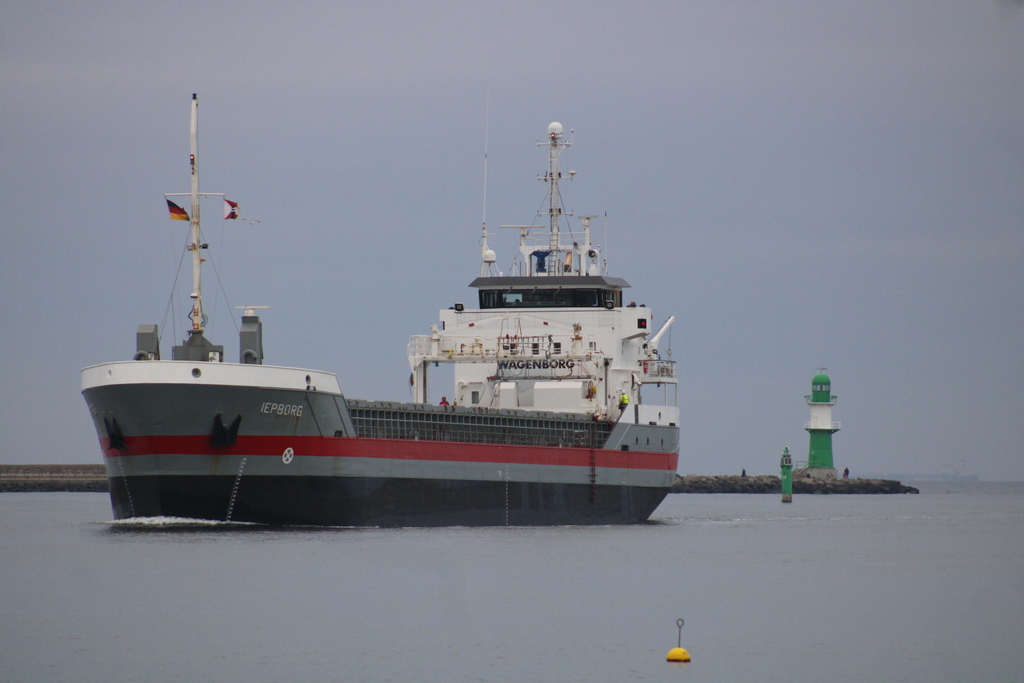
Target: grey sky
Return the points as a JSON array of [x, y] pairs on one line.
[[800, 184]]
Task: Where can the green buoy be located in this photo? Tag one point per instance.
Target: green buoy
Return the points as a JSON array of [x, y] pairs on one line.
[[787, 476]]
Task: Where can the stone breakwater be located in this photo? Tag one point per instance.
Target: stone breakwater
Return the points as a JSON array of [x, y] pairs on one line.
[[36, 478], [93, 478], [766, 483]]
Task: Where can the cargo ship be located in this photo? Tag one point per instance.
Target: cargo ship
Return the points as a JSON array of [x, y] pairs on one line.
[[563, 410]]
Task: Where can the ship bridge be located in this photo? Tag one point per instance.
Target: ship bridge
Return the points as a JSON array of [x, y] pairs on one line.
[[555, 332], [560, 291]]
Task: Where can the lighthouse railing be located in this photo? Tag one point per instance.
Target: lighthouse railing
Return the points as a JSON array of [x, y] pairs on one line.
[[837, 425]]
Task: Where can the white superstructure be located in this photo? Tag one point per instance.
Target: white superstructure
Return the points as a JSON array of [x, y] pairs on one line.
[[555, 335]]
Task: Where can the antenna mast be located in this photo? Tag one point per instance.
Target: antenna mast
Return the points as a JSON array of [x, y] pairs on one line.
[[487, 257], [195, 246], [555, 146], [196, 347]]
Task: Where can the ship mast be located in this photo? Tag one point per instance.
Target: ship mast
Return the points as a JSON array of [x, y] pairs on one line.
[[196, 347], [555, 146], [195, 246]]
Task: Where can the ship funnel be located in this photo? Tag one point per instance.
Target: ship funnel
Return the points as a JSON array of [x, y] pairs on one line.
[[147, 342], [250, 337]]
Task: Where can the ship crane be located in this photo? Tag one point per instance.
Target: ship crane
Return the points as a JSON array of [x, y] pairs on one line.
[[651, 347]]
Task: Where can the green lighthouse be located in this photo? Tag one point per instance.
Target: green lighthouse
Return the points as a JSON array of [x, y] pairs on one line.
[[821, 427]]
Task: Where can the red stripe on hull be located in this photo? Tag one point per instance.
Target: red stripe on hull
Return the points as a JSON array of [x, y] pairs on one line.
[[397, 449]]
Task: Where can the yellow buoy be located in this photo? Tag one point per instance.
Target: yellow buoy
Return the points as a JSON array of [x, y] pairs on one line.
[[678, 654]]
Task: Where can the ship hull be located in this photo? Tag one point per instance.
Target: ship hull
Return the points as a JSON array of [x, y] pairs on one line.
[[242, 446], [380, 502]]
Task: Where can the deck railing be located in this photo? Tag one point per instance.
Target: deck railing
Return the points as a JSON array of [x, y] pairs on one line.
[[657, 370]]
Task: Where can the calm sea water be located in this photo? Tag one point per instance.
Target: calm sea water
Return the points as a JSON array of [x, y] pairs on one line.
[[829, 588]]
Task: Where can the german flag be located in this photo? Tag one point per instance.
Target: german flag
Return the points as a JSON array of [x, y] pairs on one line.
[[177, 213]]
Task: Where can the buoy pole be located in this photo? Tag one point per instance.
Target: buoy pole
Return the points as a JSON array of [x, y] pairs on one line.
[[787, 476], [678, 653]]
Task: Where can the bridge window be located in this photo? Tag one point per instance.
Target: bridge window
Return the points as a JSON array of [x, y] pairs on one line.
[[548, 298]]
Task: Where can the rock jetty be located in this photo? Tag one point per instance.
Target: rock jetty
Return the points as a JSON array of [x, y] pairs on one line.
[[766, 483], [79, 478], [93, 478]]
